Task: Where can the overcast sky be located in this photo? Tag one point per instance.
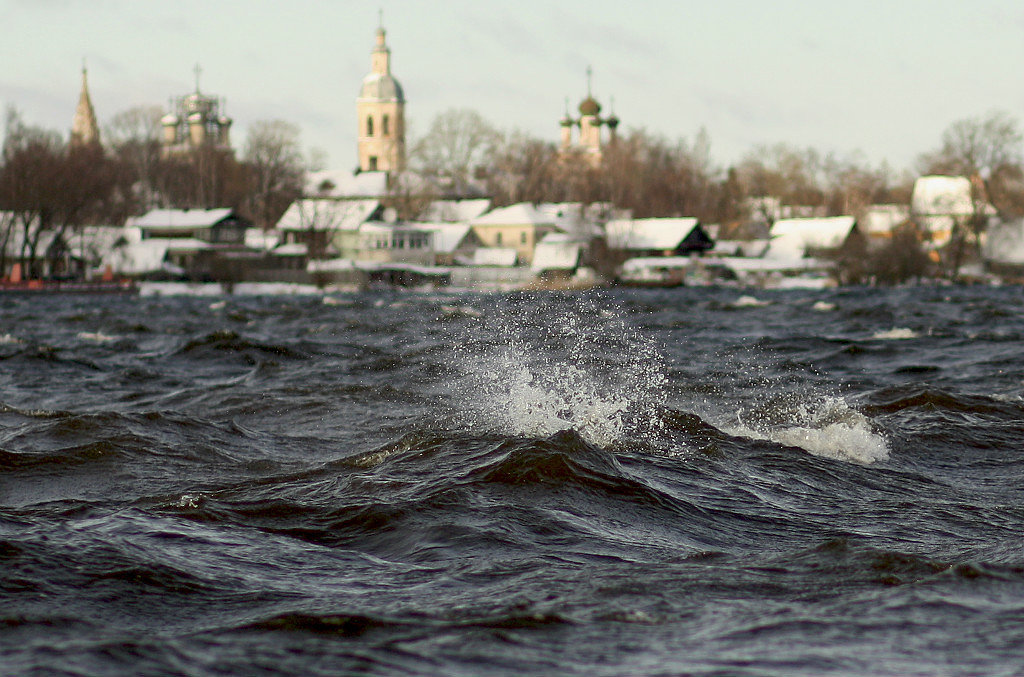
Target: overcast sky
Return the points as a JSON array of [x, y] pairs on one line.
[[879, 77]]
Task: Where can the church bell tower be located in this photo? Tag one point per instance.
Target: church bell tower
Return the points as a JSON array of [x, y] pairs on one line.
[[380, 114]]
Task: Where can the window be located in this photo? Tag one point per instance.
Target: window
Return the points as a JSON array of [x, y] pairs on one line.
[[373, 163], [384, 126], [497, 239], [522, 237], [369, 125]]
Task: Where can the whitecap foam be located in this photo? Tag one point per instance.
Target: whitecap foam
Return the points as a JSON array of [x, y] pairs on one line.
[[895, 334], [96, 337], [829, 428], [9, 340], [823, 306], [749, 302]]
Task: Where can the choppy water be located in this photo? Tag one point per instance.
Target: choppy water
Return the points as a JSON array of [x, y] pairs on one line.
[[622, 482]]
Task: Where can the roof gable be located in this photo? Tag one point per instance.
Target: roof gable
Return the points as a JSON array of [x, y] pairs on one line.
[[942, 196], [645, 234], [327, 214], [521, 214], [183, 219], [791, 238]]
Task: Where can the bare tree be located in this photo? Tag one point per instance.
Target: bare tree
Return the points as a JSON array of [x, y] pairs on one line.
[[521, 170], [458, 144], [276, 169], [49, 187], [32, 167], [133, 136], [976, 147], [792, 174]]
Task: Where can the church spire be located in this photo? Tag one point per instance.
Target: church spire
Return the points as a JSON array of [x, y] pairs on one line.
[[380, 59], [84, 130]]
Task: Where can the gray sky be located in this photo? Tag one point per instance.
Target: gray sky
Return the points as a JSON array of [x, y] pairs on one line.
[[879, 77]]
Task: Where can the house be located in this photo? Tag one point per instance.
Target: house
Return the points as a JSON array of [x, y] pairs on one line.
[[399, 254], [196, 242], [879, 221], [394, 243], [325, 228], [213, 226], [519, 227], [941, 204], [657, 237]]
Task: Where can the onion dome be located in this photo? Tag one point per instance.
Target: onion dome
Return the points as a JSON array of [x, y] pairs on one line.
[[197, 103], [169, 120], [589, 106]]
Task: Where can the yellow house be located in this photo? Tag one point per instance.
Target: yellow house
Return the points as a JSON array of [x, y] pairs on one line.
[[519, 227]]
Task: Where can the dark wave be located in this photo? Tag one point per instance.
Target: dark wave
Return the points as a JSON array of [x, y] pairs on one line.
[[229, 342]]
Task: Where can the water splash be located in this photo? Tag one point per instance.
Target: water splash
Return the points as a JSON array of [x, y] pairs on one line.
[[529, 368], [826, 427]]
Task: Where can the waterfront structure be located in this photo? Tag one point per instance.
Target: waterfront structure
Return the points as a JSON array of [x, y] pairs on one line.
[[380, 114], [584, 134], [196, 121], [84, 130]]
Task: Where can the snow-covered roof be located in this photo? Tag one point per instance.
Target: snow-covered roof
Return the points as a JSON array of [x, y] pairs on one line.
[[376, 227], [641, 234], [453, 211], [447, 237], [575, 217], [494, 256], [881, 219], [346, 184], [556, 254], [791, 238], [519, 214], [942, 195], [327, 214], [179, 219]]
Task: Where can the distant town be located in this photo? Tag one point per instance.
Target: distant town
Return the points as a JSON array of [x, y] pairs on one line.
[[162, 195]]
